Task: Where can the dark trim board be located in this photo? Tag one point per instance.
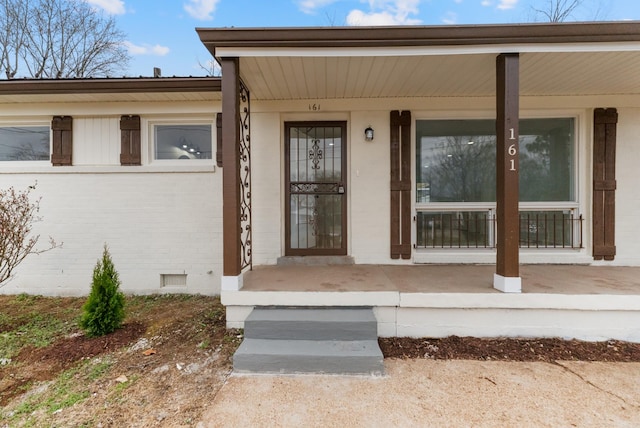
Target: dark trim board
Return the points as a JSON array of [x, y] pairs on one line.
[[456, 35], [110, 85]]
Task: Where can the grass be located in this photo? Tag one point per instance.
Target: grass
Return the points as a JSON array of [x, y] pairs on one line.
[[40, 321], [31, 329], [99, 368], [65, 391]]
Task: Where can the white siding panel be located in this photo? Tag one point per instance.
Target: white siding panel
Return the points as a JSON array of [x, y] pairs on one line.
[[96, 141]]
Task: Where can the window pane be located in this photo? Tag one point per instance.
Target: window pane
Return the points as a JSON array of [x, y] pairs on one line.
[[456, 160], [24, 143], [546, 160], [183, 142], [315, 154]]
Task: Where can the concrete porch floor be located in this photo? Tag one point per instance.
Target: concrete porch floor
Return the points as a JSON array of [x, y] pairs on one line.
[[553, 279], [568, 301]]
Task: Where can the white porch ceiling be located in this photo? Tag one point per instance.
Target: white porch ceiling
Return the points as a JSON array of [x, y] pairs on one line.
[[470, 75]]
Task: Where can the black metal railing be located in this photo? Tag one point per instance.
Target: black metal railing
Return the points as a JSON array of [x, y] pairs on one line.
[[550, 229], [476, 229]]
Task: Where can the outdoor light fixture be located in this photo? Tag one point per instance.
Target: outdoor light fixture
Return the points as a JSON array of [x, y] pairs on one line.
[[368, 133]]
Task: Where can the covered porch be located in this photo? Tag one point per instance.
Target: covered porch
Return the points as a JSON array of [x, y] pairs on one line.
[[393, 81], [570, 301]]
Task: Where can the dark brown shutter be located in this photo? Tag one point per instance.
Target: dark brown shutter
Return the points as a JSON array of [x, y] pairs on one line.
[[219, 139], [400, 184], [130, 140], [604, 183], [62, 128]]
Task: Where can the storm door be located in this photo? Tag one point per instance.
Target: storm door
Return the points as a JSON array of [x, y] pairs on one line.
[[316, 191]]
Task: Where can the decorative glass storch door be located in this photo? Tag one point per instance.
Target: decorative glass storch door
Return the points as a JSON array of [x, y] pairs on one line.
[[316, 191]]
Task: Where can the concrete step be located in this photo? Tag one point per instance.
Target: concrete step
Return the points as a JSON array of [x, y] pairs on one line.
[[311, 324], [309, 356], [310, 340]]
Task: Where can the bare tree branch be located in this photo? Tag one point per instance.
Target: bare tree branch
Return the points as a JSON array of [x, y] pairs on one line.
[[17, 216], [59, 38], [564, 10], [211, 67], [13, 27]]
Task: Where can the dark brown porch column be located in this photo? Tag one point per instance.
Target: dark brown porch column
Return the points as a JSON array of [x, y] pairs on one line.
[[507, 277], [231, 170]]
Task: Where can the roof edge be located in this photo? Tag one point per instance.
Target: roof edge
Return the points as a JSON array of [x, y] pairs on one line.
[[110, 85], [443, 35]]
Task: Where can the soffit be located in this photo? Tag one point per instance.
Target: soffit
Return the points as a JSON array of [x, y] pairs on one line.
[[541, 73], [430, 61]]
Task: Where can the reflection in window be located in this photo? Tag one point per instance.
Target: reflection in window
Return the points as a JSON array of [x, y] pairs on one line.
[[182, 141], [315, 153], [456, 160], [24, 143]]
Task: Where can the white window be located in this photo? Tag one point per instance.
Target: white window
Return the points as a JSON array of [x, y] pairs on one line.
[[182, 141], [25, 143], [456, 184]]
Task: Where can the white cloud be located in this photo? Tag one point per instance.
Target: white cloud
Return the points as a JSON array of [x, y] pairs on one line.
[[450, 18], [201, 9], [310, 6], [386, 12], [486, 3], [112, 7], [457, 1], [507, 4], [146, 49]]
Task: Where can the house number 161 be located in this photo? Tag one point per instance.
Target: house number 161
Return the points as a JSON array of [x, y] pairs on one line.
[[511, 151]]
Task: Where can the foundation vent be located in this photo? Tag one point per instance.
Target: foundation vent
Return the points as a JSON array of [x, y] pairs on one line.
[[173, 280]]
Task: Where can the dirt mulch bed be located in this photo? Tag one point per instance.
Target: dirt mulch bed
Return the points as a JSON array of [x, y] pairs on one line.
[[63, 353], [546, 350], [45, 363]]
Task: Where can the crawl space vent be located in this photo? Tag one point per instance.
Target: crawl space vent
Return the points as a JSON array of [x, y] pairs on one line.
[[173, 280]]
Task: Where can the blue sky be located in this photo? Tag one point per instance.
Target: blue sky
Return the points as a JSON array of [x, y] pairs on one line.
[[161, 33]]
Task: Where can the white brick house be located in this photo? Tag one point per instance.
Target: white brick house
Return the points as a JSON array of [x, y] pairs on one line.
[[376, 145], [161, 218]]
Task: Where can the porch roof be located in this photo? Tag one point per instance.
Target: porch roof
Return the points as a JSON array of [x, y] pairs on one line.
[[598, 58], [111, 89]]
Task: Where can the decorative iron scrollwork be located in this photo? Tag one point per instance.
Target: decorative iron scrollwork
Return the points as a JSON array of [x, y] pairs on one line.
[[314, 187], [244, 147], [315, 154]]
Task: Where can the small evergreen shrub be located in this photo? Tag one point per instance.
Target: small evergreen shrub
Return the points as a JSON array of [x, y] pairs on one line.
[[103, 312]]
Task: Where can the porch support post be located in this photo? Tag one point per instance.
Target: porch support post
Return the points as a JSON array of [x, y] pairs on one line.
[[231, 228], [507, 276]]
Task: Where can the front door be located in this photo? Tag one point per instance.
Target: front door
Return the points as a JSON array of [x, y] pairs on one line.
[[315, 188]]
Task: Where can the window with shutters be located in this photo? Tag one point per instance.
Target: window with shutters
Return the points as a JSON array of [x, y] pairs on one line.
[[25, 142], [456, 183], [188, 140]]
